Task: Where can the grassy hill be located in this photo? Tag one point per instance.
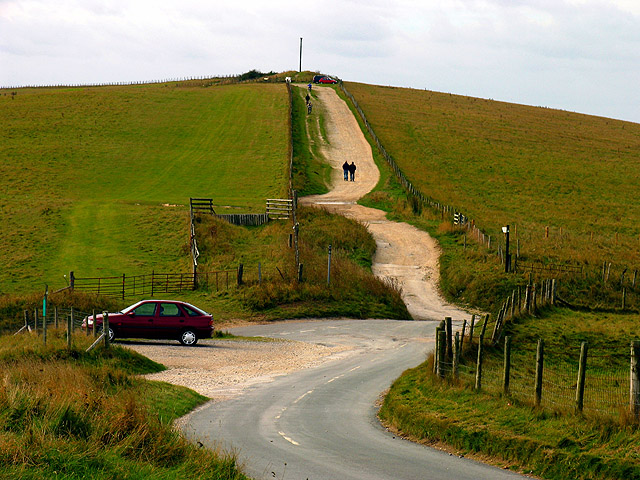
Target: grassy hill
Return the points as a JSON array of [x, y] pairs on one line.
[[90, 177], [529, 167]]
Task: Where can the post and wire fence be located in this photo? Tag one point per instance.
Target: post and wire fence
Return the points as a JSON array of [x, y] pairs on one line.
[[573, 378]]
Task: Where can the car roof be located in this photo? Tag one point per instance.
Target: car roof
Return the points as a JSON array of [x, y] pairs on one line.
[[156, 300]]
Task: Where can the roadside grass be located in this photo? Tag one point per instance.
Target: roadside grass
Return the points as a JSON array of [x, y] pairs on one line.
[[98, 180], [509, 434], [551, 441], [68, 414], [529, 167]]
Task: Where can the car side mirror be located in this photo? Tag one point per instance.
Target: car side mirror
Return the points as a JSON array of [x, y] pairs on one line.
[[132, 314]]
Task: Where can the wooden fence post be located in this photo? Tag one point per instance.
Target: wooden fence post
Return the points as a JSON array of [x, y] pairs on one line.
[[329, 267], [442, 354], [473, 321], [624, 298], [484, 325], [479, 364], [449, 329], [634, 382], [240, 272], [105, 329], [539, 371], [69, 330], [436, 350], [55, 317], [464, 327], [456, 355], [507, 365], [582, 371]]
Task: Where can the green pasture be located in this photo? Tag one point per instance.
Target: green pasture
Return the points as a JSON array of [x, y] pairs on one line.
[[98, 180], [529, 167]]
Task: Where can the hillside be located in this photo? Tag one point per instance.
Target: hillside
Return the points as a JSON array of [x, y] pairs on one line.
[[529, 167], [96, 180]]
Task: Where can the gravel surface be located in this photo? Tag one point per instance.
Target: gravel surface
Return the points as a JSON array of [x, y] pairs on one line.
[[220, 369]]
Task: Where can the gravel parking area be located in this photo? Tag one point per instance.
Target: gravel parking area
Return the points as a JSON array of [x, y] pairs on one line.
[[220, 369]]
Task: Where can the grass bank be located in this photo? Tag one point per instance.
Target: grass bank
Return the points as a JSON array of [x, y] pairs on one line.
[[96, 180], [67, 414], [530, 167]]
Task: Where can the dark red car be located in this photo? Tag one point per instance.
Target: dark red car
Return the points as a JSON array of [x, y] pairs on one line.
[[161, 319], [327, 80]]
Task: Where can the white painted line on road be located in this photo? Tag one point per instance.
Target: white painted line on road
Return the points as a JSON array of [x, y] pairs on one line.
[[302, 396], [306, 331], [290, 440], [336, 378], [355, 368]]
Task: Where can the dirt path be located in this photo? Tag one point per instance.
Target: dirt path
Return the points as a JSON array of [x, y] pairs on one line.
[[405, 254], [223, 369]]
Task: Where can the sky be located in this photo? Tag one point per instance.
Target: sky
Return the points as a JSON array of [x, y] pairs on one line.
[[575, 55]]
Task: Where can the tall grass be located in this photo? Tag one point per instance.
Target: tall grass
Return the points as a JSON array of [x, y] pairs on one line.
[[69, 414], [353, 290]]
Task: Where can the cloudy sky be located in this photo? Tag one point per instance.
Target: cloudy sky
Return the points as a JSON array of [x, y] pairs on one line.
[[577, 55]]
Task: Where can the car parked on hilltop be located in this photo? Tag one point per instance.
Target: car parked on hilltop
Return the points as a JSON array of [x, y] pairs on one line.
[[323, 79], [327, 80], [158, 319]]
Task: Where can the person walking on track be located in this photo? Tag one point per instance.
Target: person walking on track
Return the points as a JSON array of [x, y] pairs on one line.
[[345, 168], [352, 171]]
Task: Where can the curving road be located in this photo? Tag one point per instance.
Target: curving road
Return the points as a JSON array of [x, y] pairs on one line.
[[321, 423]]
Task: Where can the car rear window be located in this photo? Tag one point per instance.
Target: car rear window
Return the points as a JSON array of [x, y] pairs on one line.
[[146, 309], [191, 312], [169, 310]]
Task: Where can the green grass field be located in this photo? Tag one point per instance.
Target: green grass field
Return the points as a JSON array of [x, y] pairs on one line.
[[529, 167], [98, 180]]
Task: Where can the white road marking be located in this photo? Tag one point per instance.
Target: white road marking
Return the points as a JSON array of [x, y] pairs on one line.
[[306, 331], [355, 368], [302, 396], [336, 378], [290, 440]]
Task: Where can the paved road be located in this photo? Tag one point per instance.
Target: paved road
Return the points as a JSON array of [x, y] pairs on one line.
[[321, 423]]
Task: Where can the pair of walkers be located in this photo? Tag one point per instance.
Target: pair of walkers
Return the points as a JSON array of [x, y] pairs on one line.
[[349, 171]]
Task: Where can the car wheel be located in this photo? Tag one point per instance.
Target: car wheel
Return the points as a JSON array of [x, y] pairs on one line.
[[112, 334], [188, 337]]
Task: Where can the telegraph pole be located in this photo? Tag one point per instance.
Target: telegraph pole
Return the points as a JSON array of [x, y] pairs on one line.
[[300, 69]]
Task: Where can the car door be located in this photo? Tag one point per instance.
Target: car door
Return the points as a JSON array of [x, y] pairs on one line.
[[139, 322], [169, 320]]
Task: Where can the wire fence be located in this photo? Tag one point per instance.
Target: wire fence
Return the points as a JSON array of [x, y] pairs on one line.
[[605, 391]]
